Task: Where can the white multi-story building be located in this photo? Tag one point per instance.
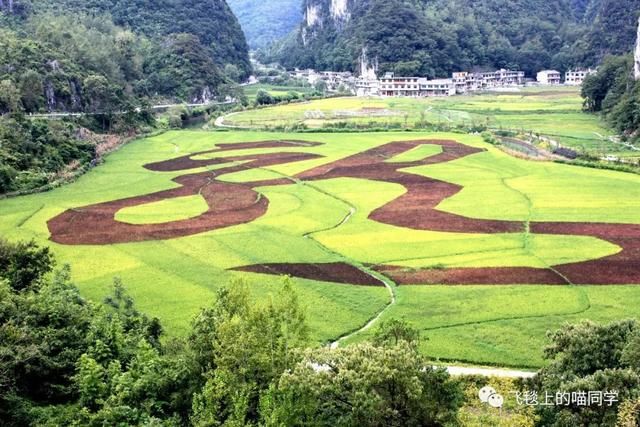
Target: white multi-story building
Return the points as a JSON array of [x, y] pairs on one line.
[[367, 87], [390, 85], [438, 87], [549, 77], [467, 82], [509, 77], [471, 82], [576, 77]]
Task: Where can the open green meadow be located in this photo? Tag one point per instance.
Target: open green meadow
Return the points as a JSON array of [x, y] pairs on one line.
[[327, 221], [552, 112]]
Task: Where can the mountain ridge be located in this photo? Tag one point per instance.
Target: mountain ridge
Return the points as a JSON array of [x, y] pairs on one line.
[[435, 37]]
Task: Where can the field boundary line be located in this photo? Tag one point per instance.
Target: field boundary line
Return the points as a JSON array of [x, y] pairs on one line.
[[28, 217], [527, 230], [503, 319]]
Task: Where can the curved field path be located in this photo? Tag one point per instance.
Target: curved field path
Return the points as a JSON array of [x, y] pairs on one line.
[[233, 204]]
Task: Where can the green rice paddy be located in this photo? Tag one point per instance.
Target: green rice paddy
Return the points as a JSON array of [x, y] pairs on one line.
[[305, 223], [552, 112]]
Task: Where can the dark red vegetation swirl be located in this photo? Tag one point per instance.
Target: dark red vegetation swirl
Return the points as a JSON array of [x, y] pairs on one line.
[[233, 204]]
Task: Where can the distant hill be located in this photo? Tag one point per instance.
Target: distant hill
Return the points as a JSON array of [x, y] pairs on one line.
[[264, 22], [210, 20], [435, 37], [133, 49]]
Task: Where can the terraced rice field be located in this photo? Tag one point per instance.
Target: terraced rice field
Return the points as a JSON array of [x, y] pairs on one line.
[[482, 251]]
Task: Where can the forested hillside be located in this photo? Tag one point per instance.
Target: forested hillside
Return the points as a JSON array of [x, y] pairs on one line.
[[105, 58], [211, 21], [435, 37], [264, 22], [611, 29], [614, 94], [175, 50]]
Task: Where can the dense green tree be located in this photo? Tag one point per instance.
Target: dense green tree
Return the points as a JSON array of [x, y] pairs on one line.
[[267, 21], [184, 67], [613, 93], [31, 91], [393, 331], [42, 335], [363, 385], [126, 376], [264, 98], [99, 94], [9, 97], [24, 264], [32, 151], [590, 357], [587, 347], [602, 91], [250, 347]]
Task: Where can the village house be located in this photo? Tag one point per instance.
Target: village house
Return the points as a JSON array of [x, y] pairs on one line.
[[549, 77], [440, 87], [576, 77], [334, 80], [466, 82], [394, 86], [390, 85], [509, 77], [367, 87]]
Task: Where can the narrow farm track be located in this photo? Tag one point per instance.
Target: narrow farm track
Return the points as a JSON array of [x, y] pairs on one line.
[[233, 204], [388, 283]]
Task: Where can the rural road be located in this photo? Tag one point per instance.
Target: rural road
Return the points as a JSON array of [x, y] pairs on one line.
[[457, 371], [54, 115], [219, 123], [488, 372]]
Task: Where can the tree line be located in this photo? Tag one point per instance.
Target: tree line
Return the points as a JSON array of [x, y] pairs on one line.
[[615, 95]]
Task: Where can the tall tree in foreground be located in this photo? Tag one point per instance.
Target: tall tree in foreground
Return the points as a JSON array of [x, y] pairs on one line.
[[385, 383], [244, 348]]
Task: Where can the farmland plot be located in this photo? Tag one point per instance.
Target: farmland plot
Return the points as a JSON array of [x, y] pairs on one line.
[[177, 215]]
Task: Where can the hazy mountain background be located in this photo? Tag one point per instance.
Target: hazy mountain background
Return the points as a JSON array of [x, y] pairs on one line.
[[267, 21]]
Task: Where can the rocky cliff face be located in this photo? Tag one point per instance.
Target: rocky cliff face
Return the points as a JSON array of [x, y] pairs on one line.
[[637, 55]]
